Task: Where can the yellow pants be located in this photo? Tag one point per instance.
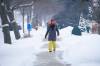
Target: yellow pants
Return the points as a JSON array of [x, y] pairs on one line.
[[52, 46]]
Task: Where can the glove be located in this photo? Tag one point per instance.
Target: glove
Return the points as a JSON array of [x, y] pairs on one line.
[[57, 34], [45, 37]]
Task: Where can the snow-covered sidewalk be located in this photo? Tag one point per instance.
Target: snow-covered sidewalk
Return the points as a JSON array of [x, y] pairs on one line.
[[33, 51], [49, 59]]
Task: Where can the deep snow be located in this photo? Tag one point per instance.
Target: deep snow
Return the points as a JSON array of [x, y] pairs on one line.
[[77, 50], [81, 50]]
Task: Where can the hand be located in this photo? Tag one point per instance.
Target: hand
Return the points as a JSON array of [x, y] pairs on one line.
[[57, 34], [45, 37]]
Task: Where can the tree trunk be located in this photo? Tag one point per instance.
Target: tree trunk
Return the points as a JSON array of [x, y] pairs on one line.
[[29, 20], [99, 28], [12, 20], [5, 24], [96, 13], [23, 20]]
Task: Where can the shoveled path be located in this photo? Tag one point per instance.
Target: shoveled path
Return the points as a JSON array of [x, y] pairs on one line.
[[45, 58]]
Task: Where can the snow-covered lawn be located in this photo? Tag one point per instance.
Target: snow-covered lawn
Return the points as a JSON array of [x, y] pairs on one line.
[[81, 50], [21, 52]]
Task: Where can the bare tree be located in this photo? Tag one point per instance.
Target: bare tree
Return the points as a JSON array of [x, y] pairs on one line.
[[12, 20], [95, 4], [46, 9], [5, 23]]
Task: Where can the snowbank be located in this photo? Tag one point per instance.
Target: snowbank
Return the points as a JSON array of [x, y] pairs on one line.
[[82, 50], [21, 52]]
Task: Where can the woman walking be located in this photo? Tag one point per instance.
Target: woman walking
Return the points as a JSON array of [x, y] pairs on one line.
[[52, 31]]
